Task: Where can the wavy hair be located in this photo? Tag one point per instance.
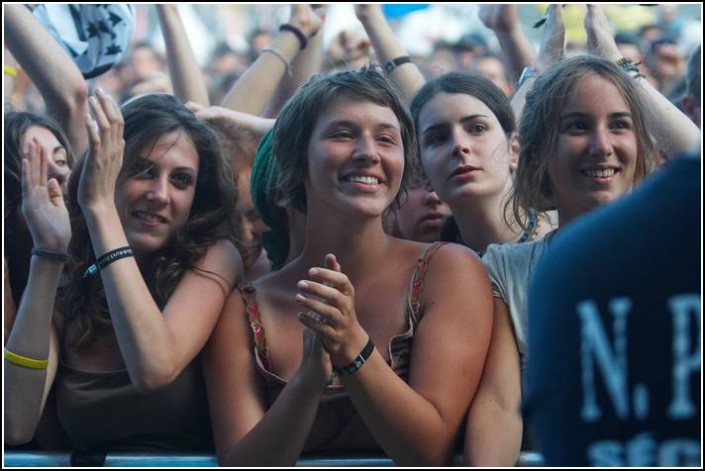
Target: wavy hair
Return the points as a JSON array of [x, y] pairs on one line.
[[538, 127], [212, 216]]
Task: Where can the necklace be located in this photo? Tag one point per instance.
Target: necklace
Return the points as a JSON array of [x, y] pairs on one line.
[[530, 228]]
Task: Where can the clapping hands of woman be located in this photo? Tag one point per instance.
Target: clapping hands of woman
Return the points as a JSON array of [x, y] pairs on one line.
[[104, 159], [43, 205]]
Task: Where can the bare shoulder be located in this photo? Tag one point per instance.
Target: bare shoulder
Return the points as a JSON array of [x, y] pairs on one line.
[[223, 259], [451, 258], [223, 248], [456, 272], [231, 322]]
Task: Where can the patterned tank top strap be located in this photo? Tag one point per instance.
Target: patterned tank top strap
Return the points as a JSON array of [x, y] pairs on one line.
[[248, 295], [417, 281]]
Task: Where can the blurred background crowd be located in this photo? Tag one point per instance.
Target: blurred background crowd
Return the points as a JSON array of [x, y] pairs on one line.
[[226, 38]]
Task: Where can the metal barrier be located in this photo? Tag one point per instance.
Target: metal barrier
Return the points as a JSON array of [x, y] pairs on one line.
[[43, 459]]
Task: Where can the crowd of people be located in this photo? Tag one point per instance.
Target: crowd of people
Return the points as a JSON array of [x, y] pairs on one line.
[[353, 249]]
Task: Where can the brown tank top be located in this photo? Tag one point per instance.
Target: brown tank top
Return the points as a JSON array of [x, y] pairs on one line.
[[105, 412], [338, 426]]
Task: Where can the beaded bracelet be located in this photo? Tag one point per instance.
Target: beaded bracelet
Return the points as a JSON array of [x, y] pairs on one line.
[[396, 62], [57, 255], [106, 259], [25, 362], [303, 41], [357, 363]]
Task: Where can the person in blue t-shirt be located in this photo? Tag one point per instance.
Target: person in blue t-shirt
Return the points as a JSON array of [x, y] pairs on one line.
[[614, 375]]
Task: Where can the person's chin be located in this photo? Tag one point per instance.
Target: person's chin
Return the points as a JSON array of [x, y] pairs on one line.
[[145, 244]]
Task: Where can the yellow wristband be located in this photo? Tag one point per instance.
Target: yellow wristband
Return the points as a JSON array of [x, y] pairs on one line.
[[25, 362], [11, 71]]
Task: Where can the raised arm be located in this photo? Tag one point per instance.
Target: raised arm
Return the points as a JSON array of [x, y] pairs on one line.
[[416, 424], [253, 90], [407, 76], [156, 345], [184, 70], [675, 132], [494, 429], [307, 63], [31, 352], [239, 133], [503, 19], [9, 77], [551, 51], [246, 432], [53, 72]]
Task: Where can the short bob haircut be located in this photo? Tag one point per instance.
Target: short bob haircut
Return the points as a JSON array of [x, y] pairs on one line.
[[539, 131], [295, 124]]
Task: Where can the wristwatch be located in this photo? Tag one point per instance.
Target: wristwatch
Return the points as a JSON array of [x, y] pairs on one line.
[[527, 73]]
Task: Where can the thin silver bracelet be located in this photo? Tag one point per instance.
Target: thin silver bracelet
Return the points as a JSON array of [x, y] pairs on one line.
[[281, 57]]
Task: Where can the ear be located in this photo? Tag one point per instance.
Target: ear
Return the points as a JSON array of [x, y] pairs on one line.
[[514, 148]]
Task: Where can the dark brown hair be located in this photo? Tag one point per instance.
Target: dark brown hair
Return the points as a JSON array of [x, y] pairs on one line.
[[212, 216], [295, 124]]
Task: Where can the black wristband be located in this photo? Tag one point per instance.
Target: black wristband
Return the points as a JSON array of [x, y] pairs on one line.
[[357, 363], [51, 254], [106, 259], [396, 62], [303, 41]]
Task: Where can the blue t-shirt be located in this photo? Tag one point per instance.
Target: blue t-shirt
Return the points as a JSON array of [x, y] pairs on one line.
[[614, 375]]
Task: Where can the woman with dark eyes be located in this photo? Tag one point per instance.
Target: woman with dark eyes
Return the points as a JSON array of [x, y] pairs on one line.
[[23, 130], [469, 148], [149, 265]]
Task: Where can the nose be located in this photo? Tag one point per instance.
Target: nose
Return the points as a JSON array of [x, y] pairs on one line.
[[601, 142], [158, 191], [253, 227], [259, 228], [430, 198], [366, 150], [461, 145], [59, 172]]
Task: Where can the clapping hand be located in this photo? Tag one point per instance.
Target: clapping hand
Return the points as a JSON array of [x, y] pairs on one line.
[[106, 148], [43, 204], [329, 299]]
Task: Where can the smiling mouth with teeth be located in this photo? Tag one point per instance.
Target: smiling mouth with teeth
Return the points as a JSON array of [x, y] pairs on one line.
[[149, 217], [365, 180], [599, 172]]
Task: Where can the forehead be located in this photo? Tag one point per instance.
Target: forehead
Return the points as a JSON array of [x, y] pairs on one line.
[[596, 93], [42, 134], [490, 65], [175, 149], [358, 110], [450, 107]]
